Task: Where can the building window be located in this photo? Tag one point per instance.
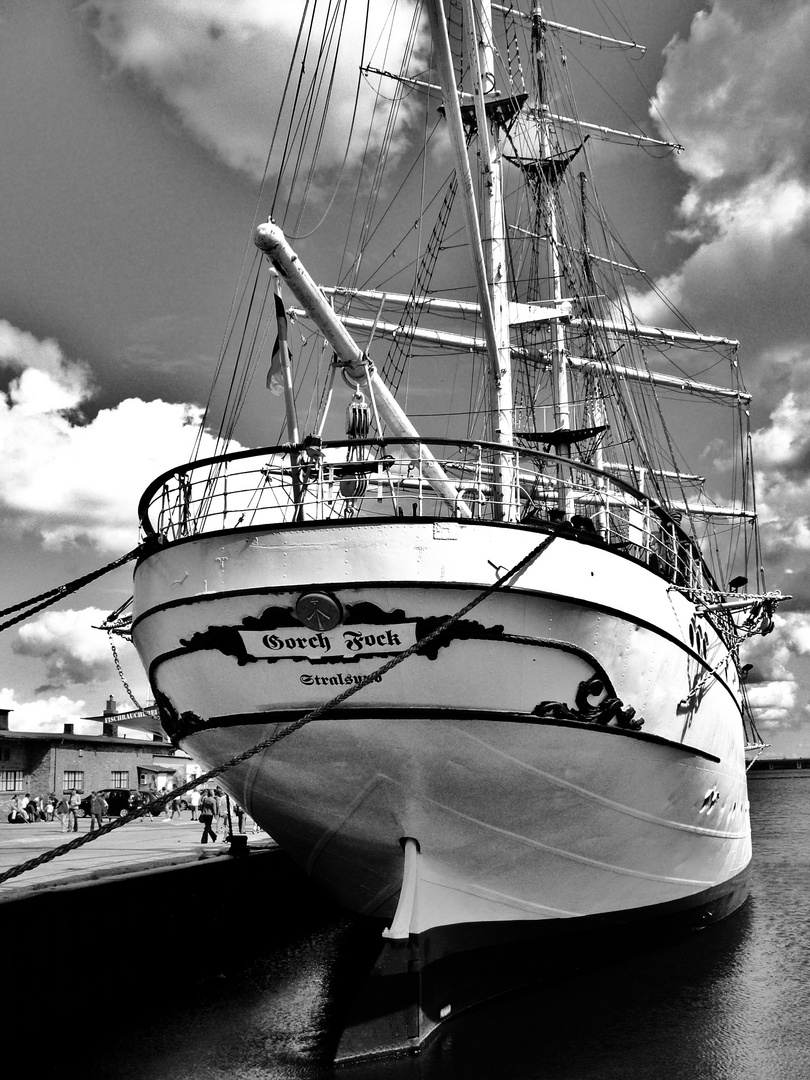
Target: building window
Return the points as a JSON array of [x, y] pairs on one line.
[[11, 780], [120, 779], [71, 780]]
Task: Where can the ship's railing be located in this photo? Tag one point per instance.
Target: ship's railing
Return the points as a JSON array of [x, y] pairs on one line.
[[333, 481]]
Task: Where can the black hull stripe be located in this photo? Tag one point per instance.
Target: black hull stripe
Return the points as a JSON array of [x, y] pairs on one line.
[[341, 586], [456, 715]]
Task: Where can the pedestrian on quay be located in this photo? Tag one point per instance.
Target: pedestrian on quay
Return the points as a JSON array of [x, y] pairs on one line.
[[63, 812], [240, 817], [16, 814], [50, 809], [98, 810], [208, 810], [73, 810], [222, 809], [176, 806], [194, 802]]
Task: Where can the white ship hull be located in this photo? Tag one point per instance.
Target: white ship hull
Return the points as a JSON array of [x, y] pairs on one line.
[[529, 804]]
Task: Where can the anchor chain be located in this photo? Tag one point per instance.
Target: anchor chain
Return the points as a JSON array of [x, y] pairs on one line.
[[120, 671]]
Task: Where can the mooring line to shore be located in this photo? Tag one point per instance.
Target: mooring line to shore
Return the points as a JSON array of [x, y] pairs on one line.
[[163, 800], [52, 595]]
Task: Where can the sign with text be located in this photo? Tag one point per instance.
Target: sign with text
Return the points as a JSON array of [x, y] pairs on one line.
[[299, 643]]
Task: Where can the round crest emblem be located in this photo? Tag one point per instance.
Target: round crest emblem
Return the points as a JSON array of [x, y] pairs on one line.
[[318, 611]]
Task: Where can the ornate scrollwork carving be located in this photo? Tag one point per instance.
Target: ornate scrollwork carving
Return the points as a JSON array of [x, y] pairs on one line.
[[603, 712]]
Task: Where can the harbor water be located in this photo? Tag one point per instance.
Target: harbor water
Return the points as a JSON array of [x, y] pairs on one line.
[[730, 1003]]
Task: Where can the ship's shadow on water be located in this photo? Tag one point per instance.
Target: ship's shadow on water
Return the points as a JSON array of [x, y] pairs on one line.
[[676, 1010], [615, 1019], [270, 1009]]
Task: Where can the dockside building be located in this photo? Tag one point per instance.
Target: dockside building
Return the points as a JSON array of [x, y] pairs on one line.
[[52, 763]]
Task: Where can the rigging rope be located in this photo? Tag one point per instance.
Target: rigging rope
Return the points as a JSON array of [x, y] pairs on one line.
[[163, 801], [393, 367]]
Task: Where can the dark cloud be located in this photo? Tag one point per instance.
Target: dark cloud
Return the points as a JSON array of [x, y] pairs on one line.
[[735, 89], [211, 63], [72, 651]]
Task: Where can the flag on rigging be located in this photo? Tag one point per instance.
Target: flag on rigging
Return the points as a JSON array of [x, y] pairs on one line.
[[281, 351]]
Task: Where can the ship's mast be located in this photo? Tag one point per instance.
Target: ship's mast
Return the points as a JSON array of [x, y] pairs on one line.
[[478, 32], [488, 252], [559, 348]]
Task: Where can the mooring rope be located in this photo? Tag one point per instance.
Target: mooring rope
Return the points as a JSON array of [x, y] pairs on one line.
[[52, 595], [162, 801]]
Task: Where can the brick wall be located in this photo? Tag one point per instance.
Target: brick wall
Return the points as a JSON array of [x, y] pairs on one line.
[[44, 763]]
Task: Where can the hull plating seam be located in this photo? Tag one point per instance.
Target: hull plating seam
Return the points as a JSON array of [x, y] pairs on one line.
[[546, 529], [475, 935]]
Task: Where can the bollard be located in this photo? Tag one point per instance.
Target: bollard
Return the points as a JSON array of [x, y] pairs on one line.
[[238, 842]]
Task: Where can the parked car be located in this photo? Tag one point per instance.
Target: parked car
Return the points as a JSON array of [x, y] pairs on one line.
[[120, 801]]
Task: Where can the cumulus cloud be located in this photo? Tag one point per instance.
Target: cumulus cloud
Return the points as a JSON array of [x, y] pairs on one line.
[[782, 456], [784, 446], [51, 713], [774, 691], [46, 713], [733, 85], [774, 705], [75, 483], [221, 65], [731, 90], [45, 378], [72, 650]]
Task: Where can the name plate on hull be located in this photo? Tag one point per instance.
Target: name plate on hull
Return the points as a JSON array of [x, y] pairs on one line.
[[299, 643]]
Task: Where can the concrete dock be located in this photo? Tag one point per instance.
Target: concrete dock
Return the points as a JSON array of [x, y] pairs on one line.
[[143, 845]]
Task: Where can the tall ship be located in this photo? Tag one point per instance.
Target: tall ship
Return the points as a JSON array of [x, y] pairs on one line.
[[481, 612]]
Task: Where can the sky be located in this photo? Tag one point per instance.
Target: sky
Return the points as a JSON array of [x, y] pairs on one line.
[[134, 138]]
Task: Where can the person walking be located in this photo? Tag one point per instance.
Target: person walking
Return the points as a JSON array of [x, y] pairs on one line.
[[208, 810], [222, 809], [63, 812], [194, 802], [73, 810], [98, 810]]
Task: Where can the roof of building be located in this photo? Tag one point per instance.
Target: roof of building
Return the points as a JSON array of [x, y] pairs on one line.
[[75, 737]]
